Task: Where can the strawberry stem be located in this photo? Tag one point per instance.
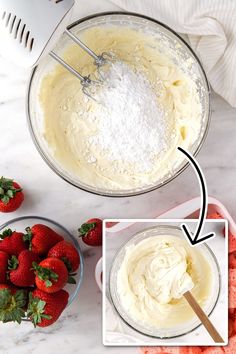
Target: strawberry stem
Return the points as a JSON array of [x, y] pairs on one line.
[[13, 263], [6, 233], [85, 228], [7, 190], [36, 309], [45, 274], [11, 305]]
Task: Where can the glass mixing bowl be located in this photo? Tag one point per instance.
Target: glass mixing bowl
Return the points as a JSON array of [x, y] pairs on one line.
[[173, 42], [184, 328], [21, 223]]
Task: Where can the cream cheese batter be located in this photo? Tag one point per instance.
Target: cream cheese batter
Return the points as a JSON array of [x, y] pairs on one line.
[[72, 122], [154, 275]]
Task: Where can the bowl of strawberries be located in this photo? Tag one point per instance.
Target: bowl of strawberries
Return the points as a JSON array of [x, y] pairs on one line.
[[41, 270]]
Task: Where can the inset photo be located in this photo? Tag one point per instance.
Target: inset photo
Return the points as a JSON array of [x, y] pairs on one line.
[[159, 288]]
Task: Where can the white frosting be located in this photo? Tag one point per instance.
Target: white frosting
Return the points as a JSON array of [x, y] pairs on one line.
[[83, 139], [154, 275]]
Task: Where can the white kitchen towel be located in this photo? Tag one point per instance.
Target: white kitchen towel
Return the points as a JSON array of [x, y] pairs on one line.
[[211, 29]]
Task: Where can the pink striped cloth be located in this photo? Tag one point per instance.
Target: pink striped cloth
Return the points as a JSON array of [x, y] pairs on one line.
[[211, 28]]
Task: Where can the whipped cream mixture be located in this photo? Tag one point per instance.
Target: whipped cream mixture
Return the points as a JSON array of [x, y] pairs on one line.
[[128, 138], [154, 275]]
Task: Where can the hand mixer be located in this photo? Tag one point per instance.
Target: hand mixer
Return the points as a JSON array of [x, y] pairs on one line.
[[30, 28]]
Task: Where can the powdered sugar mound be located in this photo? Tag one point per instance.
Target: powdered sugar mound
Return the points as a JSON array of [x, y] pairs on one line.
[[131, 124]]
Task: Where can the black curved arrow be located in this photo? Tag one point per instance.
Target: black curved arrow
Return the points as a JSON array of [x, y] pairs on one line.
[[198, 238]]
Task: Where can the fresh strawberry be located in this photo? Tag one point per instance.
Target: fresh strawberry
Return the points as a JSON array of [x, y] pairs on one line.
[[11, 195], [12, 242], [21, 271], [41, 238], [91, 232], [44, 309], [12, 302], [51, 275], [232, 260], [3, 266], [65, 251]]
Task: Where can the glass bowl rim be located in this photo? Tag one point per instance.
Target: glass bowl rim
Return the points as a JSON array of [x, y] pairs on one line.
[[72, 238], [128, 193], [219, 279]]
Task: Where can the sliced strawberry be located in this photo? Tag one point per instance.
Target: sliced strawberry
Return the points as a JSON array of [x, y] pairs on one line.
[[230, 348], [152, 350], [231, 327], [215, 215], [232, 242], [232, 260], [232, 277], [232, 297], [213, 350]]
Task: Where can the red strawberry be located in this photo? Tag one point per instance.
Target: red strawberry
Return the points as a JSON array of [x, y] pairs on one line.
[[44, 309], [232, 260], [51, 275], [230, 348], [91, 232], [192, 350], [232, 242], [21, 271], [12, 302], [213, 350], [11, 195], [151, 350], [65, 251], [41, 238], [3, 266], [231, 327], [232, 297], [232, 277], [214, 215], [12, 242]]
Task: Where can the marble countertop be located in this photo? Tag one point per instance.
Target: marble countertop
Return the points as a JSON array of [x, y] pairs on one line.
[[79, 329]]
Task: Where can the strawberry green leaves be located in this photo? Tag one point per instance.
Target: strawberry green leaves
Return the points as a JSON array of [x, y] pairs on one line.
[[11, 305], [36, 309], [45, 274], [85, 228], [7, 190]]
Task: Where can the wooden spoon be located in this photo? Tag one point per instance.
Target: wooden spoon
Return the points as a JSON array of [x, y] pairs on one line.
[[203, 317]]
